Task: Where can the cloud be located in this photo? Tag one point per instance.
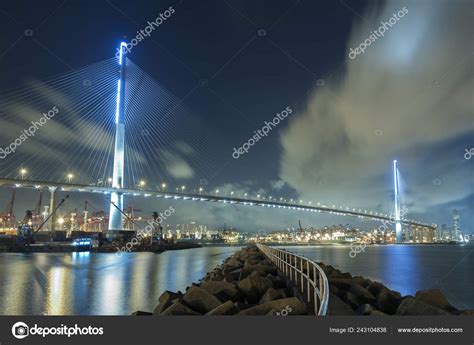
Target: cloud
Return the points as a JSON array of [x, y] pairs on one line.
[[409, 93], [176, 166]]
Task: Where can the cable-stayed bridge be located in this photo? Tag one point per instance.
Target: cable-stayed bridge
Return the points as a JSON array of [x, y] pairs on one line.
[[114, 127]]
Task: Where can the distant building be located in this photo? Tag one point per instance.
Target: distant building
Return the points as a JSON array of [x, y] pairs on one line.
[[456, 235]]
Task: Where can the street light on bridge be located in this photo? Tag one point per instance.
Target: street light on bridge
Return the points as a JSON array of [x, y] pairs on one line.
[[142, 184], [163, 186], [23, 172], [70, 176], [183, 188]]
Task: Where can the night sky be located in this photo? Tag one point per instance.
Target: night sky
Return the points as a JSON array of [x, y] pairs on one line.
[[232, 65]]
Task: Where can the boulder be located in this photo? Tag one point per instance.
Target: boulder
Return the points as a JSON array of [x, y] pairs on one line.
[[375, 288], [262, 269], [336, 306], [200, 300], [362, 293], [412, 306], [388, 301], [233, 276], [336, 291], [345, 284], [345, 275], [435, 298], [366, 284], [365, 309], [352, 300], [160, 307], [254, 286], [223, 289], [292, 306], [178, 308], [272, 294], [139, 313], [227, 308], [232, 262], [377, 313], [165, 300], [277, 281], [242, 306], [169, 296]]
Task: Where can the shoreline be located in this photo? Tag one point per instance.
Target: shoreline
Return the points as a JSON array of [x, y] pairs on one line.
[[247, 283]]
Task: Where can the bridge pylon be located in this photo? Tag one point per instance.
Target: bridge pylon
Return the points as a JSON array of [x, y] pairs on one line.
[[398, 223], [116, 226]]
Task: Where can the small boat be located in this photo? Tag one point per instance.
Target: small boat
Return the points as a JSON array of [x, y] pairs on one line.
[[82, 244]]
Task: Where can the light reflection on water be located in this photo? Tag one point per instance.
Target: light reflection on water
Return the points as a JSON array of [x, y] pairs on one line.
[[98, 283], [104, 284], [407, 268]]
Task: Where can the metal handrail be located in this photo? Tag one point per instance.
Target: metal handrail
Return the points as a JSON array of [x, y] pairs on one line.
[[316, 284]]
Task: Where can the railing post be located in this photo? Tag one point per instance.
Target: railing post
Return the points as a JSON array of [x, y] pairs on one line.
[[289, 268], [307, 285], [302, 282], [296, 271], [315, 291], [321, 292]]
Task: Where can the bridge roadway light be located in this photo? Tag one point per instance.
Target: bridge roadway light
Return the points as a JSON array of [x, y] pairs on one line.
[[163, 186], [23, 172], [217, 191], [183, 188], [200, 190], [70, 176]]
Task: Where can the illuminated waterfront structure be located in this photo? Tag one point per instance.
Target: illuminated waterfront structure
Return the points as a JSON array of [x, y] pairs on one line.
[[398, 224], [115, 218]]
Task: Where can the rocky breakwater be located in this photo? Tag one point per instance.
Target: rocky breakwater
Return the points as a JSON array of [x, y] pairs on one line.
[[357, 295], [247, 283]]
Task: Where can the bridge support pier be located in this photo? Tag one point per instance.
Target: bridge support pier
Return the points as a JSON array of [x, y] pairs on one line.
[[52, 207]]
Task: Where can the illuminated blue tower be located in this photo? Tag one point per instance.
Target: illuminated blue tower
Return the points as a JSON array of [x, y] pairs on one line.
[[115, 217], [398, 224]]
